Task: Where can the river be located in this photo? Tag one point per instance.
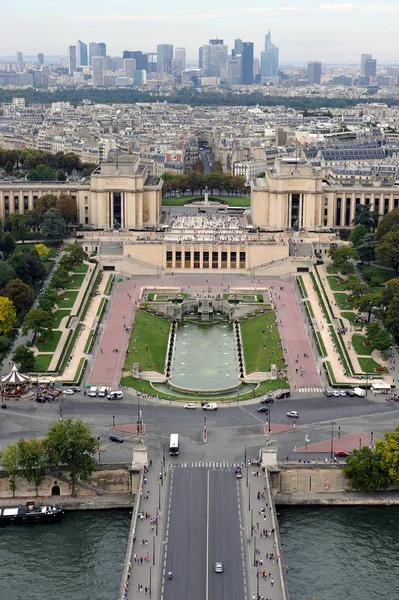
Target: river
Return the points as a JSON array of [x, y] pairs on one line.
[[80, 558], [341, 553]]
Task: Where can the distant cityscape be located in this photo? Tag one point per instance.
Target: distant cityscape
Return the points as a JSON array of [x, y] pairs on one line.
[[218, 66]]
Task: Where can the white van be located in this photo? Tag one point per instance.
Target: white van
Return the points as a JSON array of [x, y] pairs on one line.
[[92, 391], [102, 392], [115, 395]]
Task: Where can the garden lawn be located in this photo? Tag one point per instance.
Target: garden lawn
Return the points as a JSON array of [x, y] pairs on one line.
[[69, 299], [149, 350], [59, 315], [331, 270], [42, 362], [261, 350], [81, 268], [51, 342], [369, 365], [359, 347], [237, 201], [385, 274], [342, 300], [337, 284], [351, 318], [75, 282]]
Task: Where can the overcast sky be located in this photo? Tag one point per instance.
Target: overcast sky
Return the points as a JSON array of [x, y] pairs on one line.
[[302, 29]]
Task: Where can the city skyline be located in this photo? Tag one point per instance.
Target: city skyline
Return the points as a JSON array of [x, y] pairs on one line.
[[303, 30]]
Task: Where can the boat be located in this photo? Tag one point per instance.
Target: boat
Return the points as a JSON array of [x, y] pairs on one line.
[[31, 514]]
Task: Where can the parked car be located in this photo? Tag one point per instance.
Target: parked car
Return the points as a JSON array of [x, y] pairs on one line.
[[75, 389], [41, 400], [69, 392], [293, 413], [263, 409], [190, 405], [342, 453], [268, 400], [116, 438], [342, 392], [336, 393], [350, 393], [328, 393]]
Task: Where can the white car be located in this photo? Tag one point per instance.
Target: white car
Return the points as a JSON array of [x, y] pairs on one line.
[[68, 392], [218, 567], [293, 413], [342, 393], [336, 393], [190, 405]]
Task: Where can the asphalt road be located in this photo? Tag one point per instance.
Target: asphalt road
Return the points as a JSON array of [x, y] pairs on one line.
[[205, 161], [203, 527]]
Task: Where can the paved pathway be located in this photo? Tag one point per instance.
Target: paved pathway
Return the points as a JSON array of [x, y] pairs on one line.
[[346, 443]]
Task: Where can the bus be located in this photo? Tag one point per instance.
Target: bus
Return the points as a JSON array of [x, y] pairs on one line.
[[174, 444]]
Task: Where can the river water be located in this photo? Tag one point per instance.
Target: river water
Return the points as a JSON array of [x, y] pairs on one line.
[[341, 553], [80, 558]]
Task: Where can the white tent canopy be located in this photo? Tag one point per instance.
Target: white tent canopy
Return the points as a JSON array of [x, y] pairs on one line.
[[14, 378]]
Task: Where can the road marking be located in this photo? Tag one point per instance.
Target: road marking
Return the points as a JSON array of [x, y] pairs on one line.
[[207, 539]]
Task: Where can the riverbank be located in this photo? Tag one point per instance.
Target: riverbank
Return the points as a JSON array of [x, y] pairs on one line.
[[338, 499], [103, 502]]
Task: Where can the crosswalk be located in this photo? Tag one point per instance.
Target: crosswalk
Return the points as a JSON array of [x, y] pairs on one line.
[[310, 390], [206, 465]]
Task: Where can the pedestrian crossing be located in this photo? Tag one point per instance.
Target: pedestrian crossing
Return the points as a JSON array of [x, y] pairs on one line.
[[310, 390], [203, 465]]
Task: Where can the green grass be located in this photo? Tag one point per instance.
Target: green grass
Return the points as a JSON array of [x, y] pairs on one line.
[[145, 387], [385, 274], [42, 362], [70, 298], [261, 350], [58, 316], [100, 309], [321, 347], [351, 318], [68, 348], [75, 282], [332, 270], [302, 287], [149, 350], [308, 305], [50, 344], [109, 284], [359, 347], [235, 201], [337, 284], [320, 297], [81, 268], [342, 300], [369, 365], [89, 343], [346, 362]]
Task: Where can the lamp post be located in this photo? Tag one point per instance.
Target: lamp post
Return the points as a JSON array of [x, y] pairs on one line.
[[163, 451], [332, 439], [252, 522], [339, 433], [268, 419], [249, 497], [138, 414], [150, 581], [113, 421], [257, 585], [360, 443], [372, 439], [98, 448], [161, 474], [159, 495], [254, 549], [153, 549], [156, 521], [246, 464]]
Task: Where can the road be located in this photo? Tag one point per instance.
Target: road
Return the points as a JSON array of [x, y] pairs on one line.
[[204, 155], [203, 527]]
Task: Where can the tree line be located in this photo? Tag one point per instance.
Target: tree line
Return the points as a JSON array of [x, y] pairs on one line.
[[215, 181], [37, 165]]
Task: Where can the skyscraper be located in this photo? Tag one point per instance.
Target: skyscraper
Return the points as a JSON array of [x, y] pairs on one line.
[[40, 59], [247, 63], [233, 71], [129, 67], [72, 59], [179, 62], [164, 58], [238, 46], [96, 49], [140, 58], [214, 58], [269, 59], [370, 67], [363, 59], [314, 73], [20, 61], [81, 54], [98, 71]]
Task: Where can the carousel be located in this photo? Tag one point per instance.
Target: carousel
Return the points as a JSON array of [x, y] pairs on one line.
[[15, 384]]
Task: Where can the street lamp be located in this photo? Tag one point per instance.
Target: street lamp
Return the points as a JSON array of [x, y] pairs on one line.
[[150, 581], [246, 465], [268, 419], [153, 549], [159, 495], [98, 448], [113, 421], [163, 450], [372, 439], [254, 549], [249, 497], [332, 439]]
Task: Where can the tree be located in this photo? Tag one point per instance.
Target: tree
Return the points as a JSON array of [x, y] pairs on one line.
[[369, 303], [8, 315], [20, 294], [34, 219], [54, 227], [48, 299], [39, 321], [41, 173], [60, 278], [357, 235], [24, 357], [42, 251], [392, 317], [388, 250], [32, 460], [390, 290], [4, 343], [364, 216], [76, 252], [16, 223], [19, 264], [10, 460], [67, 207], [198, 166], [341, 256], [44, 203], [366, 471], [6, 273], [366, 250], [389, 451], [36, 267], [8, 243], [356, 287], [217, 167], [70, 443], [378, 336], [389, 222]]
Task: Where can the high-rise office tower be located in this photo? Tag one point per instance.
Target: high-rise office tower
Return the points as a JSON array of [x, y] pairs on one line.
[[164, 58], [233, 71], [214, 58], [269, 59], [81, 54], [370, 67], [363, 58], [179, 62], [72, 59], [200, 58], [40, 59], [96, 49], [238, 46], [314, 73], [98, 71], [20, 61], [129, 67], [140, 58], [247, 63]]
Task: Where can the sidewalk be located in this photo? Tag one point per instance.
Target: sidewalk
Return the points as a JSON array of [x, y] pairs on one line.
[[147, 544], [266, 571]]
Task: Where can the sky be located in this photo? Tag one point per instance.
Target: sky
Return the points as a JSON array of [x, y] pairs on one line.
[[302, 29]]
